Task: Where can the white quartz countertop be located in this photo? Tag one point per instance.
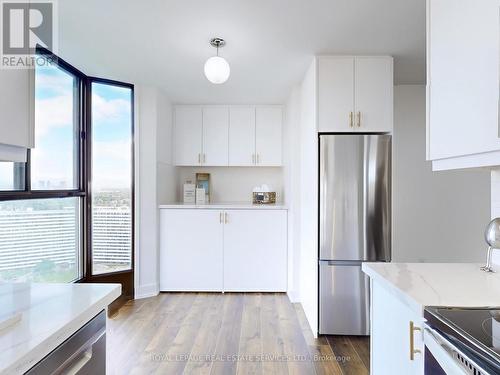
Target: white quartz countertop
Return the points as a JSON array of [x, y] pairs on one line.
[[49, 314], [437, 284], [227, 206]]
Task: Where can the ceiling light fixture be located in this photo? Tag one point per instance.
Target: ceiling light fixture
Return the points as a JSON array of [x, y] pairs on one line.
[[217, 69]]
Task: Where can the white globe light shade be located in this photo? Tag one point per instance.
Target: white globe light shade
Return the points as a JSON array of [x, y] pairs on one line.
[[217, 69]]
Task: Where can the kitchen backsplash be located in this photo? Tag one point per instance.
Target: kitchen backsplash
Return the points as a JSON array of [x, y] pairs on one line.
[[234, 184], [495, 209]]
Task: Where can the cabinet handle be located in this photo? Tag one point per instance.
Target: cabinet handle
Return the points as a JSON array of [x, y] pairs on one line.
[[225, 218], [359, 119], [253, 158], [413, 351], [199, 158], [351, 115], [258, 158], [204, 158]]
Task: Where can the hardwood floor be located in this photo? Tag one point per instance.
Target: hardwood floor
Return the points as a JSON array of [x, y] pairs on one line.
[[232, 333]]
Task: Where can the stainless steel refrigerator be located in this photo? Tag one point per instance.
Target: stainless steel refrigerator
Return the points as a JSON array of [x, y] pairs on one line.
[[354, 226]]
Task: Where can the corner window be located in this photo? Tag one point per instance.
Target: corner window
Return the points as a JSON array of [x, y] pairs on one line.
[[67, 213], [54, 160]]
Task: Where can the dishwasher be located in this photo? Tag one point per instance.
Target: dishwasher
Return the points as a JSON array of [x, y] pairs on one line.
[[84, 353]]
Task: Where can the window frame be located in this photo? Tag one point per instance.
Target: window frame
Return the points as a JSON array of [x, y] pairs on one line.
[[84, 175], [28, 193], [89, 275]]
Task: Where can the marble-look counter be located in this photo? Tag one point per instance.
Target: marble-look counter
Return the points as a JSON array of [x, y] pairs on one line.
[[50, 313], [226, 206], [437, 284]]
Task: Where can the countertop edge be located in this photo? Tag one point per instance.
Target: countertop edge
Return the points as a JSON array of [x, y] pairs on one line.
[[40, 351], [403, 296], [225, 206]]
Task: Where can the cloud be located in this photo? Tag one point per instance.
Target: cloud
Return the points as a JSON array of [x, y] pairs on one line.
[[109, 110], [53, 112], [59, 84], [112, 164]]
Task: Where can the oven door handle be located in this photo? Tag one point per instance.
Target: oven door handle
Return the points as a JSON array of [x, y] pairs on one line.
[[448, 355]]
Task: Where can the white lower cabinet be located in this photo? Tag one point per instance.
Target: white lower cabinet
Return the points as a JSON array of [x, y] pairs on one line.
[[255, 251], [392, 339], [223, 250], [190, 250]]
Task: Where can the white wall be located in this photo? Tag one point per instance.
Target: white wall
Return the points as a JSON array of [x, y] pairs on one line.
[[291, 171], [152, 183], [233, 184], [166, 171], [308, 273], [437, 216]]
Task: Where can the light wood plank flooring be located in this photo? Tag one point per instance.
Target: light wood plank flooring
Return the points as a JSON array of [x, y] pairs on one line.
[[232, 333]]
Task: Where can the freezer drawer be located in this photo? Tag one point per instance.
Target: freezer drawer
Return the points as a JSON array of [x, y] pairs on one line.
[[344, 299]]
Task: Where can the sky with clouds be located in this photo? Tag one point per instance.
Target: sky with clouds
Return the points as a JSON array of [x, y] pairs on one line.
[[53, 158]]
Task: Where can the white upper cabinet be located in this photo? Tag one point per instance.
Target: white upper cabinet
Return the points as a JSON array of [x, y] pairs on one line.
[[336, 94], [188, 133], [355, 94], [215, 135], [462, 83], [16, 110], [373, 94], [228, 135], [268, 133], [241, 136]]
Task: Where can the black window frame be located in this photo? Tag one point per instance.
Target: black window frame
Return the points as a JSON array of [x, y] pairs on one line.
[[83, 192], [89, 275]]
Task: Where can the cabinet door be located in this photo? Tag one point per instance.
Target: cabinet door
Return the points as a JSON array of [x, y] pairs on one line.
[[390, 335], [215, 135], [188, 135], [462, 78], [241, 135], [268, 130], [190, 250], [255, 251], [373, 94], [335, 94], [17, 107]]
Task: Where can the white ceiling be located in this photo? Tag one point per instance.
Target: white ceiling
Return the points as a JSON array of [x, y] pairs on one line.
[[269, 42]]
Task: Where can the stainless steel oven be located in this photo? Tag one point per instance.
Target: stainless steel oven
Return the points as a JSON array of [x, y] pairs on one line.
[[461, 341]]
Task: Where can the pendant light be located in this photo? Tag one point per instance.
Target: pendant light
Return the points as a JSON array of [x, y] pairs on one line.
[[217, 69]]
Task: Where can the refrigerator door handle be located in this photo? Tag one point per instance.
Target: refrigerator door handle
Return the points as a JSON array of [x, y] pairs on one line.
[[340, 263]]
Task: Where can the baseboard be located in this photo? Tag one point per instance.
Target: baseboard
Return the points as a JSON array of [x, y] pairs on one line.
[[293, 296], [145, 291]]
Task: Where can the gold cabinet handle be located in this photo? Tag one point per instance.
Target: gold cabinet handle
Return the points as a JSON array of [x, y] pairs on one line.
[[225, 218], [359, 119], [351, 115], [413, 351]]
